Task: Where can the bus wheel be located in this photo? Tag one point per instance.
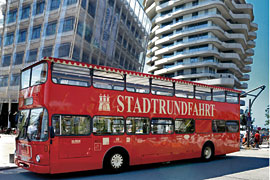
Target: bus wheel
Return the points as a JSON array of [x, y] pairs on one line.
[[115, 162], [207, 152]]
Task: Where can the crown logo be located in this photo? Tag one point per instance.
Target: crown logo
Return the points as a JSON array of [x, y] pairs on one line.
[[104, 103]]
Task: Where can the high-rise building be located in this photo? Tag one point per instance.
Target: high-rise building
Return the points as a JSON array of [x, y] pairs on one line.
[[104, 32], [207, 41]]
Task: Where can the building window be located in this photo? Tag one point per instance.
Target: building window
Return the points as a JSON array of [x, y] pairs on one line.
[[62, 50], [31, 55], [54, 4], [92, 7], [85, 57], [70, 2], [67, 24], [11, 17], [47, 51], [36, 32], [193, 71], [83, 4], [80, 28], [25, 12], [39, 8], [6, 60], [88, 34], [76, 53], [18, 58], [9, 39], [3, 81], [50, 28], [22, 36], [14, 79]]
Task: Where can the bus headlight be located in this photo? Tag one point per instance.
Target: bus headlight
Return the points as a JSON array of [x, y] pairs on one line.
[[38, 158]]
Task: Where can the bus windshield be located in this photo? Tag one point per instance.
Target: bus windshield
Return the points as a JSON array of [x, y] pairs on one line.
[[34, 76], [33, 125]]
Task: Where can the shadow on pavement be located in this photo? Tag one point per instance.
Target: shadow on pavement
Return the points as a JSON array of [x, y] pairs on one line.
[[184, 169]]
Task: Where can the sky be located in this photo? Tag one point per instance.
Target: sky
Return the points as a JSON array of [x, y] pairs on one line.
[[260, 68]]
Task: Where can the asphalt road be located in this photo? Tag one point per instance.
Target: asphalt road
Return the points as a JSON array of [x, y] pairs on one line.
[[246, 164]]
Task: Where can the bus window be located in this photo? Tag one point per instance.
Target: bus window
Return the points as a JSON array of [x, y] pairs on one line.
[[25, 79], [203, 93], [218, 95], [161, 126], [232, 126], [232, 98], [183, 126], [218, 126], [66, 125], [39, 74], [137, 84], [71, 75], [164, 88], [137, 125], [38, 125], [108, 125], [183, 90], [22, 122], [108, 80]]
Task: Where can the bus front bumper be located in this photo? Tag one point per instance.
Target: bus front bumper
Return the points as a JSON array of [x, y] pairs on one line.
[[42, 169]]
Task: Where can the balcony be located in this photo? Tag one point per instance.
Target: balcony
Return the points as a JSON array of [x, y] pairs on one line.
[[243, 86], [252, 35], [253, 26], [251, 44], [246, 69], [250, 52], [248, 60], [245, 77]]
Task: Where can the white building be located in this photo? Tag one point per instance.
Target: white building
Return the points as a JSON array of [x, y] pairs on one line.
[[207, 41]]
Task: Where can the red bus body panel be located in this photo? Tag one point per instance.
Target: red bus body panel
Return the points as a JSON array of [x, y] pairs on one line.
[[77, 153]]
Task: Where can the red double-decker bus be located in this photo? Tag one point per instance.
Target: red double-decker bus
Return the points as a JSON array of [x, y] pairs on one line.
[[76, 116]]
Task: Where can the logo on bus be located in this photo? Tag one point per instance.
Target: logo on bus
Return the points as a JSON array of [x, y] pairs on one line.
[[104, 103]]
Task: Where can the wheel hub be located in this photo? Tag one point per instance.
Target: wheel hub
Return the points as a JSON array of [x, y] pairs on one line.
[[117, 161]]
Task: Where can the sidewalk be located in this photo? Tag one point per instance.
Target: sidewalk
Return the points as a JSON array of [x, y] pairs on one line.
[[7, 147]]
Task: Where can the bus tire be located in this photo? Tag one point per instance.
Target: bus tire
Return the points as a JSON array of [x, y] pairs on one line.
[[207, 152], [115, 162]]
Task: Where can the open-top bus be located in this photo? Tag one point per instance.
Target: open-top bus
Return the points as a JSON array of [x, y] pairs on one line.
[[76, 116]]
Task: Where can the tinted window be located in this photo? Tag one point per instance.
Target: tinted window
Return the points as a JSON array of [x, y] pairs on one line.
[[137, 125], [71, 125], [184, 126], [161, 126], [108, 125], [232, 126], [218, 126]]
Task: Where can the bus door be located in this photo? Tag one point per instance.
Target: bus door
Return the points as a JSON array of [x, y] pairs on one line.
[[72, 143]]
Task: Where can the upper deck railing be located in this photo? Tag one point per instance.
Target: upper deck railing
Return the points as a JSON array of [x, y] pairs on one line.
[[73, 73]]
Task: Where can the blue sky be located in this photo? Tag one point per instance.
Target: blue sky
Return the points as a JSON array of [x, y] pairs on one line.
[[260, 68]]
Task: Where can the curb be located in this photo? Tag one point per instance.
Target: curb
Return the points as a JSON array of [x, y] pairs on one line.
[[8, 167]]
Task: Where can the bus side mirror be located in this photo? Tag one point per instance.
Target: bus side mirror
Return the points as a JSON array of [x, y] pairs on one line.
[[52, 132]]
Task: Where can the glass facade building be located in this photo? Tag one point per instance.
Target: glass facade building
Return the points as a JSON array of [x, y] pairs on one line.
[[207, 41], [104, 32]]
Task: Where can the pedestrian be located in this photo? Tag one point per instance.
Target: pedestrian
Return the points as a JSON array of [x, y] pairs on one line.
[[257, 139]]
